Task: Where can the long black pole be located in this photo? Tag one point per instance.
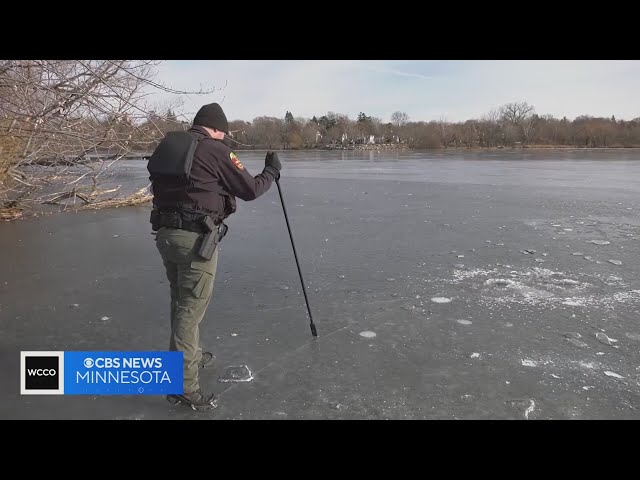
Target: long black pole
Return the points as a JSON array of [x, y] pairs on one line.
[[304, 290]]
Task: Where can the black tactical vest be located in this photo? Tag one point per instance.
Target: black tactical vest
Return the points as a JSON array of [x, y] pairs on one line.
[[171, 183], [173, 157], [169, 168]]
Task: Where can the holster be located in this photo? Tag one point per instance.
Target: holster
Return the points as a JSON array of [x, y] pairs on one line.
[[211, 239]]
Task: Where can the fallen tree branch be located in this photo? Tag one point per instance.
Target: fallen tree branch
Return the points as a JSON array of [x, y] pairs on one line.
[[138, 198], [62, 196], [11, 213]]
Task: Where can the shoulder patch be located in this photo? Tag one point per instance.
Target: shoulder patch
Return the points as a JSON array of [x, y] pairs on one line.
[[235, 161]]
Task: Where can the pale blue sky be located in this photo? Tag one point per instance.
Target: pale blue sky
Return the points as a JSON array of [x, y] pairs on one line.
[[424, 89]]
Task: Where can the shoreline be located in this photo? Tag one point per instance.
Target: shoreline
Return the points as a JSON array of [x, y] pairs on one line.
[[144, 155], [396, 147]]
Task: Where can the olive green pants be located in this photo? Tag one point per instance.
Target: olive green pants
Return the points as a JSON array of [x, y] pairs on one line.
[[191, 281]]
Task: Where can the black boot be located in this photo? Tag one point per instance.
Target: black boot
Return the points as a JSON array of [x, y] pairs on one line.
[[196, 400]]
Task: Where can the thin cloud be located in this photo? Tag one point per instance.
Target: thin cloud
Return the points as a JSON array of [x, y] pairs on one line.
[[425, 90]]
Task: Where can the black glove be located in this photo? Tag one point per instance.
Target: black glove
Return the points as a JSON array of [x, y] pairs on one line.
[[272, 165]]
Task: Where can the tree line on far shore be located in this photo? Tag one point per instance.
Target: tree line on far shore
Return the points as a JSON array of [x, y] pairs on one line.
[[510, 125]]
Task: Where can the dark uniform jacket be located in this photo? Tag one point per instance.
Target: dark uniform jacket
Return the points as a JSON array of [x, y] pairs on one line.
[[216, 171]]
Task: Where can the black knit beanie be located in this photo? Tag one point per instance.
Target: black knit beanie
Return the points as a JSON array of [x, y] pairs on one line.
[[212, 116]]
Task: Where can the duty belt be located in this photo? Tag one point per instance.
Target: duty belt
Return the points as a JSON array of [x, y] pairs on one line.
[[174, 219]]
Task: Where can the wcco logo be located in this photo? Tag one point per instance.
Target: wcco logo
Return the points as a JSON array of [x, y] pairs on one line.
[[41, 373]]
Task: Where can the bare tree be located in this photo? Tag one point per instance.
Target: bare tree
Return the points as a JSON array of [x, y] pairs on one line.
[[269, 131], [528, 125], [399, 119], [74, 119], [490, 129], [516, 112], [469, 133], [443, 129], [519, 115]]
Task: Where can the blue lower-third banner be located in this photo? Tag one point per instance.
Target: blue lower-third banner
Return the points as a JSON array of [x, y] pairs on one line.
[[101, 373]]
